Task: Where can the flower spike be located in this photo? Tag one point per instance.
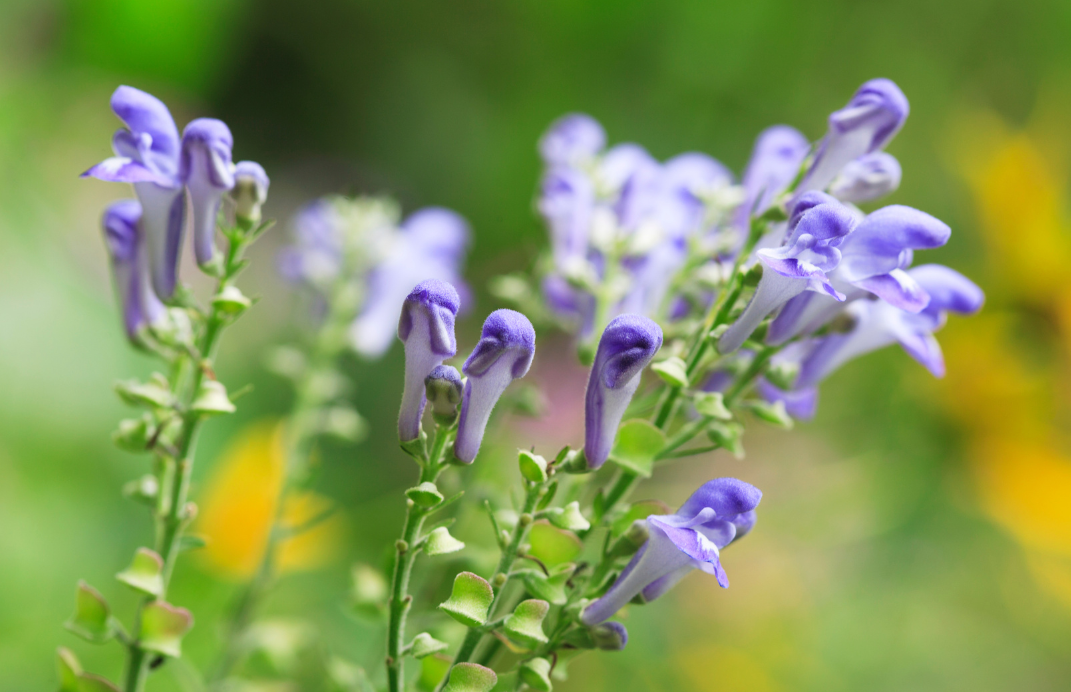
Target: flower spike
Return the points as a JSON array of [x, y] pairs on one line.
[[627, 345], [208, 173], [504, 353], [427, 329], [872, 117], [719, 512], [130, 270]]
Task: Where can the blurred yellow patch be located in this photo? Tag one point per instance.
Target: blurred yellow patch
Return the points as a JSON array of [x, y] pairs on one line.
[[720, 669], [238, 505]]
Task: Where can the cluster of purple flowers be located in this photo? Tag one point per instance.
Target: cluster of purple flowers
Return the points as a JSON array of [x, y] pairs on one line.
[[363, 247], [835, 282], [174, 178]]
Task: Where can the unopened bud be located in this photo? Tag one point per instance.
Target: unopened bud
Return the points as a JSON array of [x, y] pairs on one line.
[[443, 390], [250, 192]]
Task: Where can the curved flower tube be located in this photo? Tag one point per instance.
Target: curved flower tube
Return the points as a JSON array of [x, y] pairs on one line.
[[147, 156], [867, 178], [130, 270], [878, 324], [251, 185], [571, 140], [871, 119], [719, 512], [504, 353], [427, 329], [627, 345], [208, 172], [801, 264], [873, 259]]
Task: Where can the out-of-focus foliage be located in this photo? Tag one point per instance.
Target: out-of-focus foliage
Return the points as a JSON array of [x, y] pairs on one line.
[[915, 536]]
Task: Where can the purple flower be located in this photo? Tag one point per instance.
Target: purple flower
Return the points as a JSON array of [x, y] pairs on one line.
[[776, 159], [877, 324], [799, 403], [250, 190], [431, 244], [801, 264], [571, 140], [147, 155], [316, 255], [208, 172], [626, 347], [427, 329], [567, 202], [873, 258], [130, 268], [504, 353], [867, 178], [872, 117], [721, 511]]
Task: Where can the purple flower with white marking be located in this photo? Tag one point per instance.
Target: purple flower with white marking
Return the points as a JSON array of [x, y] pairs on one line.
[[147, 156], [208, 172], [877, 324], [803, 263], [125, 241], [251, 185], [721, 511], [626, 347], [427, 329], [867, 178], [503, 354], [873, 259], [572, 140], [871, 119]]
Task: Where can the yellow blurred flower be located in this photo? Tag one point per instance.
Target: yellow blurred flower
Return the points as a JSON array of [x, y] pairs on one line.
[[721, 669], [238, 506]]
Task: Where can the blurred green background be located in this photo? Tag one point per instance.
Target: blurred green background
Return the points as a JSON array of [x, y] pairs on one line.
[[910, 538]]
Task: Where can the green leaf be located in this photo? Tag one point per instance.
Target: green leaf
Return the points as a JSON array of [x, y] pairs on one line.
[[425, 495], [191, 541], [469, 600], [212, 399], [673, 370], [551, 545], [525, 625], [68, 669], [774, 413], [533, 466], [425, 645], [470, 677], [569, 517], [727, 435], [92, 619], [712, 405], [552, 490], [536, 674], [638, 443], [231, 301], [162, 628], [155, 393], [145, 573], [432, 669], [507, 682], [549, 588], [440, 542], [134, 434]]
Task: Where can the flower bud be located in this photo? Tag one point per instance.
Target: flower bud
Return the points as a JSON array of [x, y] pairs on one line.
[[443, 390], [610, 636], [427, 329], [250, 192]]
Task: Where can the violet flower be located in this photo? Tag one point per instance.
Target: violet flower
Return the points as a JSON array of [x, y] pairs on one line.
[[801, 264], [719, 512], [867, 178], [130, 268], [208, 172], [427, 329], [567, 202], [504, 353], [627, 345], [878, 324], [147, 156], [776, 159], [800, 403], [571, 140], [872, 117], [873, 258]]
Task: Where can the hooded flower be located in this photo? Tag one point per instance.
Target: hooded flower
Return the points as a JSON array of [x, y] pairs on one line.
[[776, 159], [873, 258], [871, 119], [147, 155], [427, 329], [803, 263], [626, 347], [867, 178], [719, 512], [877, 324], [504, 353], [208, 173], [130, 270]]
